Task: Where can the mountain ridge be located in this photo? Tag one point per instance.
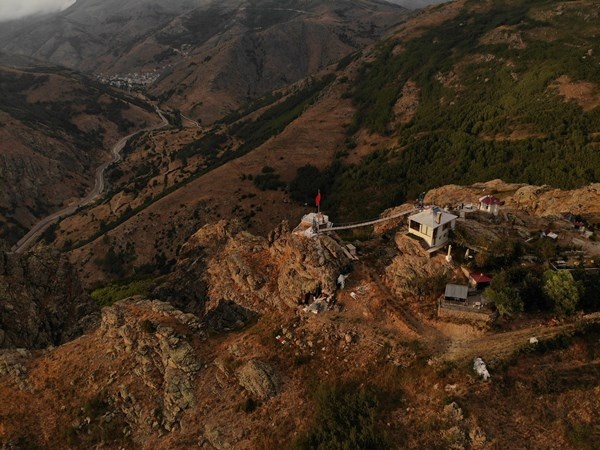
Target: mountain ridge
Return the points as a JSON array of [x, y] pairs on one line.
[[254, 44]]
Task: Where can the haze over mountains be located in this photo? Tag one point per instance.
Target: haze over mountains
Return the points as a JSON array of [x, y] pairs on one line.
[[211, 56]]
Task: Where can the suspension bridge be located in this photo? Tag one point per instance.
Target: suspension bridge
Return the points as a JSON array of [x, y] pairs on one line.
[[349, 226]]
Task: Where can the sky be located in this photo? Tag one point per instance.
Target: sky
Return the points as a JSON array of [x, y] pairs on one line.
[[15, 9]]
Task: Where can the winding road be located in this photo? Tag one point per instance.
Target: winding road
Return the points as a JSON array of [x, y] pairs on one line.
[[34, 233]]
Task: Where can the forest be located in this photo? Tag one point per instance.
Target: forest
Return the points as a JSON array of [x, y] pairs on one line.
[[487, 108]]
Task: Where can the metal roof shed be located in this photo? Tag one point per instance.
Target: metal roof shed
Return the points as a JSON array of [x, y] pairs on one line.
[[456, 292]]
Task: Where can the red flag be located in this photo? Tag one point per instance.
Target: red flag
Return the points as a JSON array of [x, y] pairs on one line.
[[318, 199]]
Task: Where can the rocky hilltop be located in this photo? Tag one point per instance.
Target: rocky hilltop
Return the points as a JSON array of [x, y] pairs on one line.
[[221, 353], [223, 265], [139, 370], [221, 328], [540, 201]]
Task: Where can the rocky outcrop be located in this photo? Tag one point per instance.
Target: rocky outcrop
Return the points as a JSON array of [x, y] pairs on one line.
[[154, 340], [41, 301], [227, 273], [187, 288], [459, 432], [258, 378], [540, 201], [411, 272], [228, 316], [306, 264], [13, 365], [261, 274]]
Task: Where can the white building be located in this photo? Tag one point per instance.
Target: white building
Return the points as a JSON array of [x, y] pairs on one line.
[[311, 223], [489, 204], [432, 225]]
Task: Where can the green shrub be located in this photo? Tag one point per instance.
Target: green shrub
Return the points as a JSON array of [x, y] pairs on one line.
[[562, 290], [507, 300], [345, 418], [268, 181], [108, 295]]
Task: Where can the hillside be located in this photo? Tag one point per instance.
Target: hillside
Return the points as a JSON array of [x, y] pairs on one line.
[[182, 308], [373, 130], [56, 126], [219, 353], [506, 89], [207, 57]]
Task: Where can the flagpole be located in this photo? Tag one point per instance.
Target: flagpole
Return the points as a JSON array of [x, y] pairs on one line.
[[319, 202]]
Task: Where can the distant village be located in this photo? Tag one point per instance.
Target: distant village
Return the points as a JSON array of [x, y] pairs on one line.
[[136, 81]]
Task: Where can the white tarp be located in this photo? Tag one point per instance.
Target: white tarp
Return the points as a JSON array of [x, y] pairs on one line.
[[479, 367]]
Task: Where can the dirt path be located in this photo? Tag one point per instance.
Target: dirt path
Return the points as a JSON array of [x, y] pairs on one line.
[[425, 331], [455, 347], [499, 345]]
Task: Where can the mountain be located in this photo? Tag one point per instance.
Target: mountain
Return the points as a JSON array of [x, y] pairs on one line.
[[456, 94], [219, 353], [85, 35], [211, 56], [470, 92], [183, 309], [56, 127], [417, 4]]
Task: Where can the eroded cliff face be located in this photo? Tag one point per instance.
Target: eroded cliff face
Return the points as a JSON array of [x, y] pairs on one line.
[[41, 301], [222, 266]]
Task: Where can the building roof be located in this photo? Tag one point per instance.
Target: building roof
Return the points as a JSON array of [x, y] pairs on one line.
[[489, 200], [428, 217], [319, 217], [456, 291], [480, 277]]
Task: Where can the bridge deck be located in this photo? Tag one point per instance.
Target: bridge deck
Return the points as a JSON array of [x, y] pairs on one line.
[[370, 222]]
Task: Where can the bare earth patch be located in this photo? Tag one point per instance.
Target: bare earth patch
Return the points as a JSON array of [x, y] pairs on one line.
[[584, 93], [434, 16], [504, 35], [406, 106]]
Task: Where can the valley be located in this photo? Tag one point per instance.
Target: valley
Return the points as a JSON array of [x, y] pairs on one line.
[[99, 182], [51, 145]]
